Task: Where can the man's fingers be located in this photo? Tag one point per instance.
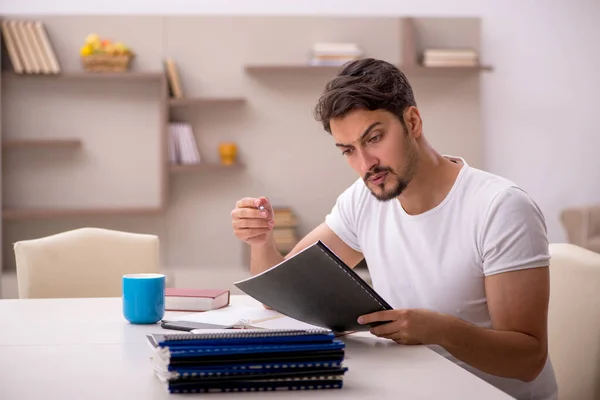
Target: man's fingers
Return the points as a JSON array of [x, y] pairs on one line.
[[249, 213], [251, 232], [251, 223], [386, 315], [385, 330], [247, 202]]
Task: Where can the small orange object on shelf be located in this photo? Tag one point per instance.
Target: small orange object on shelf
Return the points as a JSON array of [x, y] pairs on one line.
[[228, 153]]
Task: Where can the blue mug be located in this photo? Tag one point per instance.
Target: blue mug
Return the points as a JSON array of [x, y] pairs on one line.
[[143, 298]]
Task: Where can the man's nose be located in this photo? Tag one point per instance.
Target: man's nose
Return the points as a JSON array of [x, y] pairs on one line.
[[368, 162]]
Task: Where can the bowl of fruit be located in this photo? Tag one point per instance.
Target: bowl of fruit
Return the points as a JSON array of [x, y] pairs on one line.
[[102, 55]]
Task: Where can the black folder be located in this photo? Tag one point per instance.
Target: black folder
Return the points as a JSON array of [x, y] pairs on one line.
[[315, 286]]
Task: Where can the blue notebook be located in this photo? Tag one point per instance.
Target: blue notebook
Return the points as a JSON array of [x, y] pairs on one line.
[[258, 386], [249, 360]]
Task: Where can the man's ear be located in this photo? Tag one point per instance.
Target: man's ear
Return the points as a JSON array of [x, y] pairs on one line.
[[412, 119]]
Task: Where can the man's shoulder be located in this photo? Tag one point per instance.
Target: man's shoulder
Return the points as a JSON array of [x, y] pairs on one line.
[[486, 186], [497, 194]]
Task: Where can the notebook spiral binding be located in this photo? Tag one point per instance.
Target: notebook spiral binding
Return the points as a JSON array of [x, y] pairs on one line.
[[246, 333], [261, 389]]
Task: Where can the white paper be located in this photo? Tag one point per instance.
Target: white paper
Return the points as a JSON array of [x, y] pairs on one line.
[[231, 315], [245, 316]]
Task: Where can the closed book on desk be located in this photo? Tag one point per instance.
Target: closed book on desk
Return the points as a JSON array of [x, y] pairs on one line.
[[317, 287], [181, 299]]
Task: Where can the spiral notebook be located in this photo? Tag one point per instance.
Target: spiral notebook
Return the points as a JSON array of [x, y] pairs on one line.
[[316, 287], [248, 360]]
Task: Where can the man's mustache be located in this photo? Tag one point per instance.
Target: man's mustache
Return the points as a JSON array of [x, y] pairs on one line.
[[376, 171]]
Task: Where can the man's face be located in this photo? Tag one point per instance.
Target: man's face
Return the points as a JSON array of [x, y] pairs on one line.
[[379, 149]]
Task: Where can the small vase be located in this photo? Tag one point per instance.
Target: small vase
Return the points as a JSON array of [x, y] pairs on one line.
[[228, 153]]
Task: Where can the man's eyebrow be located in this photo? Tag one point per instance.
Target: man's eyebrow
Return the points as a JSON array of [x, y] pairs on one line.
[[365, 133]]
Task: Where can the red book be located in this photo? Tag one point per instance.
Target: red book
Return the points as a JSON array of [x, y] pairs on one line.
[[180, 299]]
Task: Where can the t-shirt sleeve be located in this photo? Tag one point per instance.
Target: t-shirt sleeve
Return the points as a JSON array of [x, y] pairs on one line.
[[514, 235], [342, 218]]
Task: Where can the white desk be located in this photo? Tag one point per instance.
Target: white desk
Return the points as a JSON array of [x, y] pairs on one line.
[[84, 349]]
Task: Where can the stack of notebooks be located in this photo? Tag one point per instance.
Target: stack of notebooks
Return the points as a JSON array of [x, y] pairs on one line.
[[248, 360]]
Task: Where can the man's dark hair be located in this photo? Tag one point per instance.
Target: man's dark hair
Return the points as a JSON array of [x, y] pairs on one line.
[[368, 84]]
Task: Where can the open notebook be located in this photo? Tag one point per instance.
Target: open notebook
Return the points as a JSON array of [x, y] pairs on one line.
[[245, 317]]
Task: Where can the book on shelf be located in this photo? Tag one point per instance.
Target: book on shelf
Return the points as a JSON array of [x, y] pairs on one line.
[[284, 230], [334, 54], [285, 238], [173, 80], [29, 48], [183, 148], [248, 360], [450, 58], [284, 217]]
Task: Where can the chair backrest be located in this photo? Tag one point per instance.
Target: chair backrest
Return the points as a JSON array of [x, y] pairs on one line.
[[86, 262], [574, 321]]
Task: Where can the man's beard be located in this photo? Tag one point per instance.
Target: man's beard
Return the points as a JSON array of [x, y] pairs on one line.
[[399, 182], [397, 186]]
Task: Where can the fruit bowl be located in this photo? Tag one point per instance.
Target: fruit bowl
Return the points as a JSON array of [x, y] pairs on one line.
[[104, 56]]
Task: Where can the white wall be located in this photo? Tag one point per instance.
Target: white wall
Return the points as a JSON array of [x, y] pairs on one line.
[[541, 103], [538, 103]]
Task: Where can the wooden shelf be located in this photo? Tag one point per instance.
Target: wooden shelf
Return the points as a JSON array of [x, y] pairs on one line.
[[203, 167], [422, 68], [267, 68], [307, 68], [204, 100], [32, 143], [83, 75], [15, 213]]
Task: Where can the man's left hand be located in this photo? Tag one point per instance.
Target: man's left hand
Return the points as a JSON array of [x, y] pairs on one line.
[[408, 326]]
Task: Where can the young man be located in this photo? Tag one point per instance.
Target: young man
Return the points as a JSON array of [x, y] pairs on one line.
[[461, 254]]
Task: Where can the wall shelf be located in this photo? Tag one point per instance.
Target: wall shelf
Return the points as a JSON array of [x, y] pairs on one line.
[[297, 68], [83, 75], [192, 101], [37, 143], [182, 168], [267, 68], [17, 214]]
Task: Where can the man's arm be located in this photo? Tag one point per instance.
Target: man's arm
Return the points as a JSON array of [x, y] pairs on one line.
[[266, 255], [517, 345]]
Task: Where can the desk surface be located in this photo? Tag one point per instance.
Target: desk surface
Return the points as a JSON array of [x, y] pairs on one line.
[[83, 348]]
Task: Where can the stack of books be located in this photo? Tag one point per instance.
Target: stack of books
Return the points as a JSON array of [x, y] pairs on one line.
[[450, 58], [183, 148], [334, 54], [284, 230], [29, 48], [248, 360]]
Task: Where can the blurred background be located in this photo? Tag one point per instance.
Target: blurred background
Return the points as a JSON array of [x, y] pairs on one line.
[[156, 117]]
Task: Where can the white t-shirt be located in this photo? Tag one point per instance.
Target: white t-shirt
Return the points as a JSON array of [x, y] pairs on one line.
[[438, 259]]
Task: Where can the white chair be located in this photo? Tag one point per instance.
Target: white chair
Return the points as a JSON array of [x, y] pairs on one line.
[[574, 321], [86, 262]]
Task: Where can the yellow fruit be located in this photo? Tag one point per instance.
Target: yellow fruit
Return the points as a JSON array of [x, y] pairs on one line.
[[92, 38], [121, 48], [86, 50]]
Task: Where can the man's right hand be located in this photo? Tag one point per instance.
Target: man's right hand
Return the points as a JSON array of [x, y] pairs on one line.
[[250, 224]]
